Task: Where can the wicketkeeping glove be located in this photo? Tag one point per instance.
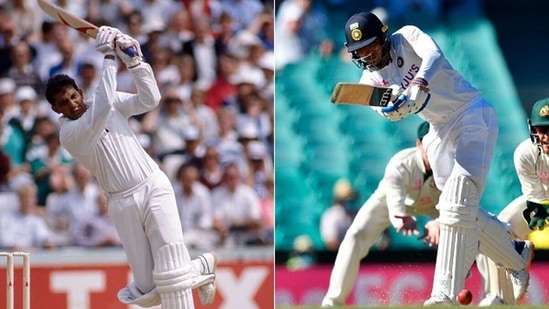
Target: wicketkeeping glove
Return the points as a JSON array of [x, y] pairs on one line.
[[105, 40], [128, 50], [536, 214]]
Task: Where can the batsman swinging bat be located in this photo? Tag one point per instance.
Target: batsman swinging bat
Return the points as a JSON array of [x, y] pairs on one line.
[[79, 24], [361, 94]]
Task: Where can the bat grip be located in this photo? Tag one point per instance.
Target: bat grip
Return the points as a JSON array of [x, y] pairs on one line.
[[130, 51], [396, 105]]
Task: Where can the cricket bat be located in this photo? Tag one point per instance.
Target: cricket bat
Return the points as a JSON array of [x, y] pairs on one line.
[[68, 19], [361, 94]]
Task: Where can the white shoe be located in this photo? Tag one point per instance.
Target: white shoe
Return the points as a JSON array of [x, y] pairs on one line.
[[206, 292], [520, 278], [491, 300], [328, 303], [438, 300]]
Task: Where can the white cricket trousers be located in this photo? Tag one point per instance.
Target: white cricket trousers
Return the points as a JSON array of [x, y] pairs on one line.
[[370, 221], [146, 219]]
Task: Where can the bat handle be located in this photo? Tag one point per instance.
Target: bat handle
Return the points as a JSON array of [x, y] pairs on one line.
[[396, 105], [130, 51]]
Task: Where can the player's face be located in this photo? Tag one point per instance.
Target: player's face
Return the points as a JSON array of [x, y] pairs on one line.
[[70, 103], [371, 53], [543, 134]]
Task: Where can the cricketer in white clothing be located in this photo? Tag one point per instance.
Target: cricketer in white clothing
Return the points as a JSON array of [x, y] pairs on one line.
[[459, 145], [529, 211], [406, 190], [140, 196]]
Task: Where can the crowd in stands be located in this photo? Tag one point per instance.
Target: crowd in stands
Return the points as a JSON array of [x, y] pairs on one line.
[[212, 132]]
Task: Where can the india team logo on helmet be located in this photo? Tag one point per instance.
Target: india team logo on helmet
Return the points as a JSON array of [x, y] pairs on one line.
[[362, 29]]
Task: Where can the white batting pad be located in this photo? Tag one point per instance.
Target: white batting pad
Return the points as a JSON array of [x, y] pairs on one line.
[[173, 275], [496, 243], [457, 250], [458, 245], [495, 279]]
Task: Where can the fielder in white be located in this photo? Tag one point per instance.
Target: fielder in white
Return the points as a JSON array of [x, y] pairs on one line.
[[529, 211], [407, 189], [140, 196], [459, 145]]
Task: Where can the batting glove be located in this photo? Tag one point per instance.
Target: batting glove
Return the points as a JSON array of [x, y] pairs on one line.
[[536, 214], [105, 40], [128, 50], [412, 101]]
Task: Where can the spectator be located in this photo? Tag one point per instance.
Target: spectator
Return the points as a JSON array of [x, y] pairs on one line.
[[23, 71], [237, 210], [205, 116], [187, 76], [108, 12], [25, 120], [224, 33], [255, 117], [7, 99], [263, 28], [88, 78], [166, 72], [211, 174], [222, 88], [155, 10], [287, 28], [260, 168], [26, 17], [81, 200], [228, 146], [335, 221], [194, 148], [243, 12], [47, 52], [267, 211], [134, 26], [178, 31], [167, 124], [202, 48], [97, 230], [45, 160], [195, 209], [8, 38], [266, 63], [68, 64], [23, 229]]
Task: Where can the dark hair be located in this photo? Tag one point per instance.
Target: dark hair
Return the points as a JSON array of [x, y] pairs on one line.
[[56, 84]]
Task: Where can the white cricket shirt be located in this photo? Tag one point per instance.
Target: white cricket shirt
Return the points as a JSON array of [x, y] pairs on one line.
[[532, 167], [415, 54], [102, 139]]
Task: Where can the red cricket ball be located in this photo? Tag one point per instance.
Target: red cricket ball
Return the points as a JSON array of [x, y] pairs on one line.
[[465, 297]]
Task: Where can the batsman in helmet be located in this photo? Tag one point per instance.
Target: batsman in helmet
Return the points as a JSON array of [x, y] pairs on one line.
[[460, 145]]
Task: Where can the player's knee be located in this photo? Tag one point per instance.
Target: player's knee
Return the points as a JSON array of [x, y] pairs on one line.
[[172, 271], [459, 201]]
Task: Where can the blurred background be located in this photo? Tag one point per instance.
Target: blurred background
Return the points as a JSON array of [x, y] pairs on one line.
[[213, 129], [322, 148]]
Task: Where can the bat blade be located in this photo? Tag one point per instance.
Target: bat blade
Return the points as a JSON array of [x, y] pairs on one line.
[[79, 24], [361, 94]]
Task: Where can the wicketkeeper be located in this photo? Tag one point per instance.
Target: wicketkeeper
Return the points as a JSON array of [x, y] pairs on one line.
[[528, 212]]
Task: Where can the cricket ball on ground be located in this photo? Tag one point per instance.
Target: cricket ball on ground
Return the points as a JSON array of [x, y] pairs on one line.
[[465, 297]]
